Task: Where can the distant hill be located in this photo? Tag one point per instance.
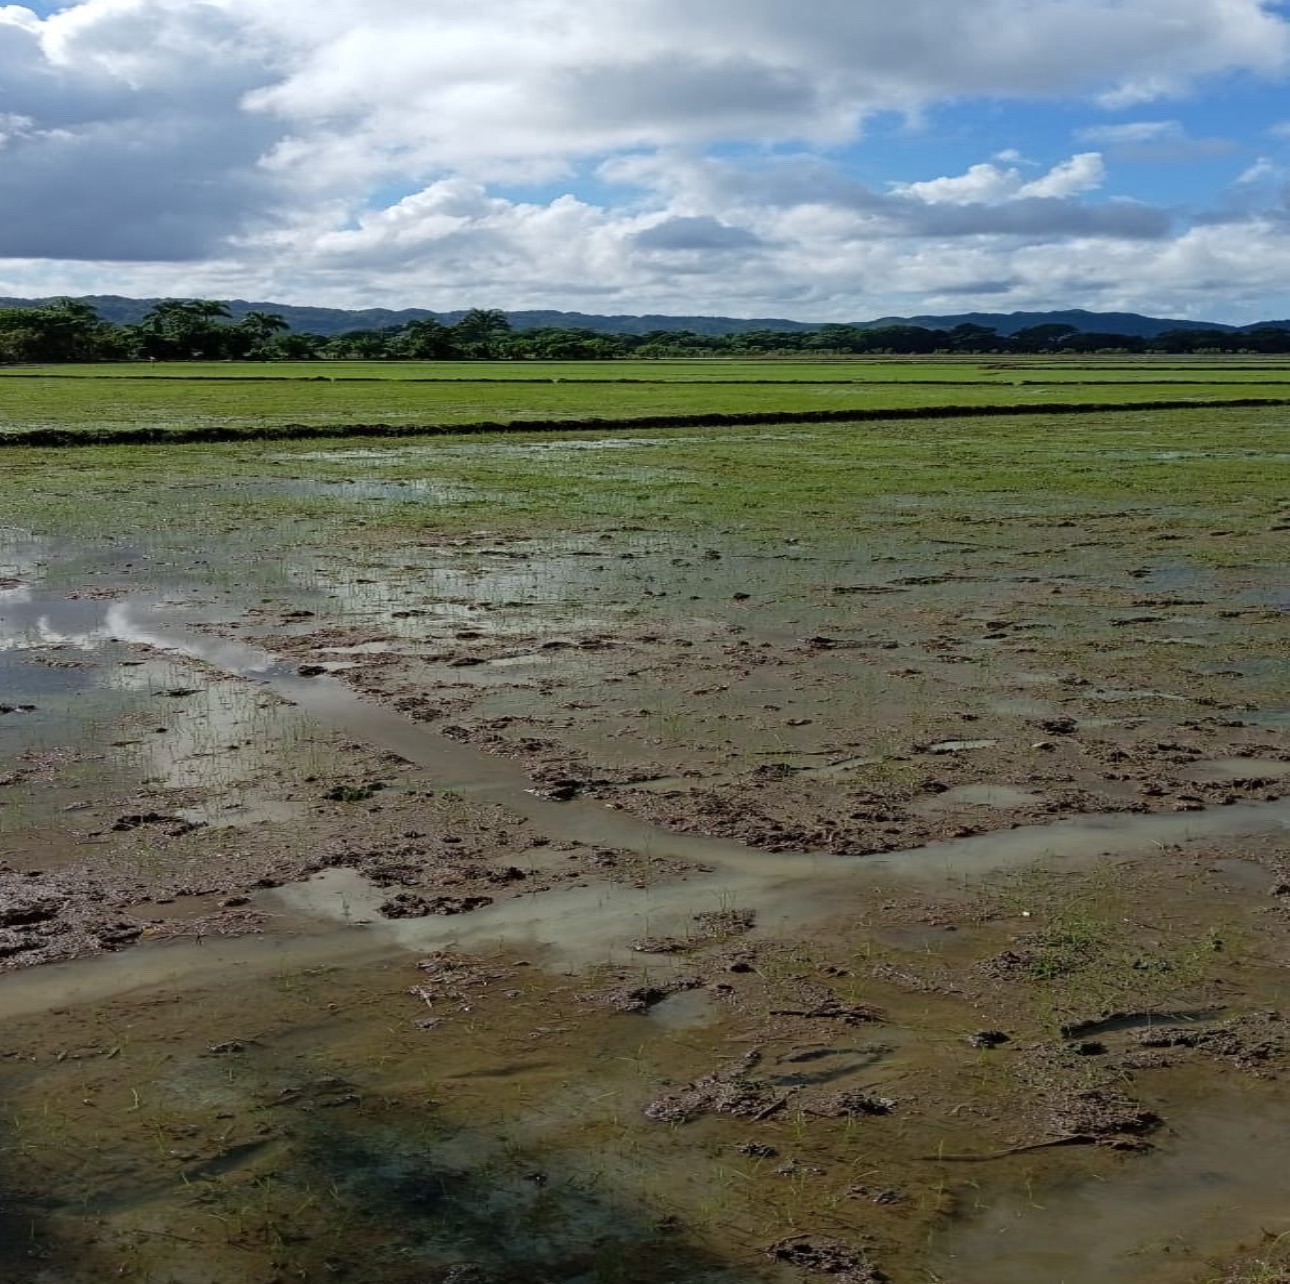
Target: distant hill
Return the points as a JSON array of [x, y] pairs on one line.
[[330, 321], [1131, 323], [123, 311]]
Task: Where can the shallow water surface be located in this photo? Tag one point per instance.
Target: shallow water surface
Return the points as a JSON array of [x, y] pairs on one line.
[[500, 1118], [1220, 1171]]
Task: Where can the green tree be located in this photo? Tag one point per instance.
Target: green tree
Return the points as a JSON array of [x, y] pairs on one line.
[[183, 329], [362, 345], [482, 333], [1100, 341], [260, 329], [969, 337], [426, 340], [1041, 338], [65, 330], [553, 344], [295, 347]]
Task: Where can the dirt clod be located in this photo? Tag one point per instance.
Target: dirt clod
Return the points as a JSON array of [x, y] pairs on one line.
[[820, 1255]]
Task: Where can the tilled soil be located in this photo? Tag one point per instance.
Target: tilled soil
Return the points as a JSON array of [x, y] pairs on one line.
[[878, 1066]]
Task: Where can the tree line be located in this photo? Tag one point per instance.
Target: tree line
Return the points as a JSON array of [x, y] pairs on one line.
[[204, 330]]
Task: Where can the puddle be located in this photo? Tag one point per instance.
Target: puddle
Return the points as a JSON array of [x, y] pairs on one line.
[[577, 926], [550, 1146], [414, 491], [1245, 875], [1000, 796], [840, 769], [539, 449], [175, 965], [688, 1010], [1117, 697], [333, 1163], [545, 596], [581, 926], [1165, 1218], [922, 939], [222, 739], [31, 622], [158, 718], [1020, 707], [804, 766], [1240, 769], [815, 1067], [672, 784], [1278, 720], [1125, 1021]]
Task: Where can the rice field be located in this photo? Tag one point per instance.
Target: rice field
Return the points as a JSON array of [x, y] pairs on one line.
[[845, 844], [228, 399]]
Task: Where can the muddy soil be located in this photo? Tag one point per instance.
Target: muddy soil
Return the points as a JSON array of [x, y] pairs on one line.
[[635, 907]]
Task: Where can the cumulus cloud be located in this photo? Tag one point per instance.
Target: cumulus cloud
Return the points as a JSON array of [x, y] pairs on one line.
[[369, 150], [122, 134], [661, 71], [701, 233], [989, 184], [816, 262], [1082, 173]]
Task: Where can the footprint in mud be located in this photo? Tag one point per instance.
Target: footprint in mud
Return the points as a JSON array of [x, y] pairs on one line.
[[812, 1067]]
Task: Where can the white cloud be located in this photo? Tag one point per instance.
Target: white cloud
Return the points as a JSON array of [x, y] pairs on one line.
[[983, 184], [467, 86], [988, 184], [131, 142], [366, 150], [1084, 172], [1155, 142], [1133, 132], [1261, 171], [821, 261]]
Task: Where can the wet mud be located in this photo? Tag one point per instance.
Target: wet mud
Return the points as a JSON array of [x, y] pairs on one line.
[[631, 907]]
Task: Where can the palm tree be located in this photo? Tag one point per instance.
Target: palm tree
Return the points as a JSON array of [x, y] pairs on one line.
[[426, 339], [482, 332], [260, 327], [183, 327]]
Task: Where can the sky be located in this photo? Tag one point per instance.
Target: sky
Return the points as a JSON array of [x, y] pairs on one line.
[[824, 160]]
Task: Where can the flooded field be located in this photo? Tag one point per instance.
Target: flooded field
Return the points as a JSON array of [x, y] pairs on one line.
[[848, 853]]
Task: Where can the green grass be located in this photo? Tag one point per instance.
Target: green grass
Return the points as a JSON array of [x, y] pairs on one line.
[[786, 479], [253, 396], [935, 369], [1271, 1264]]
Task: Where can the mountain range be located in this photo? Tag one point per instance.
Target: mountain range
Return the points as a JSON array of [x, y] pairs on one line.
[[331, 321]]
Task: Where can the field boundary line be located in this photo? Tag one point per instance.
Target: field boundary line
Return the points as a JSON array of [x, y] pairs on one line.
[[62, 438]]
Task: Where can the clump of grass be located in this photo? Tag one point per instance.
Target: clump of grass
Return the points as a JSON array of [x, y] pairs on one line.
[[1088, 955], [345, 793], [1270, 1265]]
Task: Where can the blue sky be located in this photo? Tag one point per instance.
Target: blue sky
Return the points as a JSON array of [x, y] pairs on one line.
[[841, 160]]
